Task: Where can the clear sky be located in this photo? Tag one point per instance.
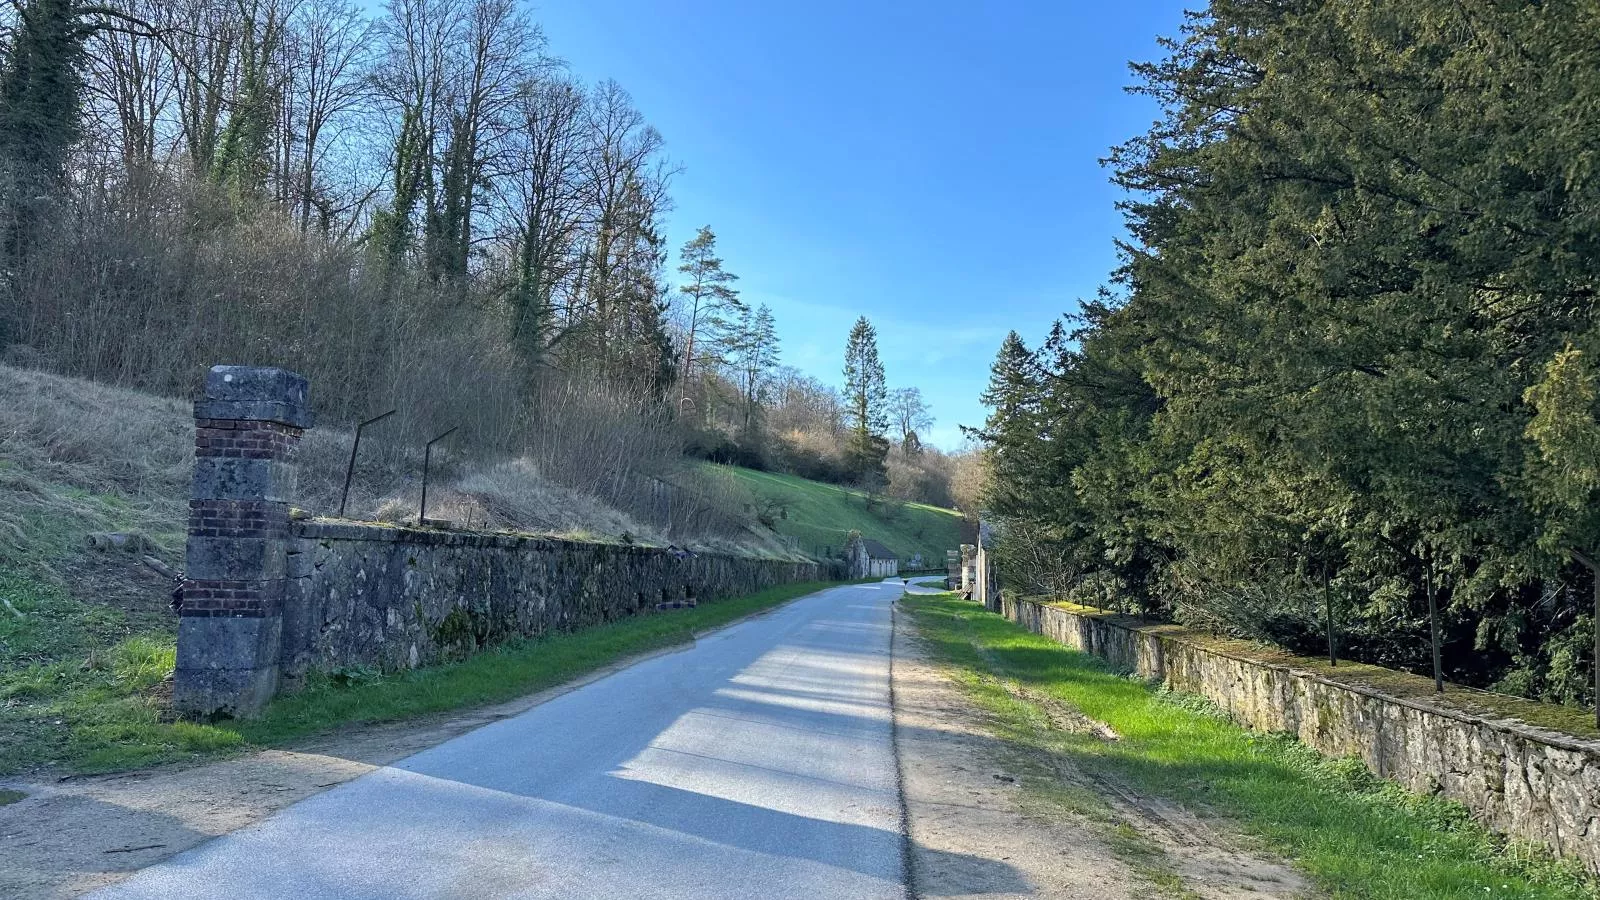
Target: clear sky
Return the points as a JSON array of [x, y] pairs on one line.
[[933, 166]]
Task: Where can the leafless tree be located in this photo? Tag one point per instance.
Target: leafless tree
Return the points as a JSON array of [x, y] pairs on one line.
[[326, 77]]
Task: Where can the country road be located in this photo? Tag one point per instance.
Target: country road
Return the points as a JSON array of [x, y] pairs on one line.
[[757, 763]]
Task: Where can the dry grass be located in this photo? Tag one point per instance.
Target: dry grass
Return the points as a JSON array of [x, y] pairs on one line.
[[77, 457]]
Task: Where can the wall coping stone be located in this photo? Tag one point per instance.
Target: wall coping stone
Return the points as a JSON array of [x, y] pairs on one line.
[[1191, 638], [328, 529]]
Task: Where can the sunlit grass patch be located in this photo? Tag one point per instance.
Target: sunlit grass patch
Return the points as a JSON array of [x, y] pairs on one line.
[[820, 516]]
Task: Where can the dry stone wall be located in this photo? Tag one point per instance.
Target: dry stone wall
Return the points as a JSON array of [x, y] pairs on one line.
[[1525, 782], [396, 598]]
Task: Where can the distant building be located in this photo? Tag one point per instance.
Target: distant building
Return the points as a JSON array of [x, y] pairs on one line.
[[868, 558], [969, 566], [986, 580]]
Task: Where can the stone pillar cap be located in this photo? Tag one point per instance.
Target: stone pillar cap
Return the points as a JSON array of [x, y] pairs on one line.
[[255, 393]]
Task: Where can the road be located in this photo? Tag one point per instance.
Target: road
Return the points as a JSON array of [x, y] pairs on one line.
[[757, 763]]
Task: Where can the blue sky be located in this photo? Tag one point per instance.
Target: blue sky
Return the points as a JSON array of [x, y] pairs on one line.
[[933, 166]]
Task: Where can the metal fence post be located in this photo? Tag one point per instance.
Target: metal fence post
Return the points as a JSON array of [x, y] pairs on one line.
[[427, 460], [350, 470]]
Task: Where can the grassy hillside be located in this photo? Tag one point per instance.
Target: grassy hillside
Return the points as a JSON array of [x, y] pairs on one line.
[[820, 515]]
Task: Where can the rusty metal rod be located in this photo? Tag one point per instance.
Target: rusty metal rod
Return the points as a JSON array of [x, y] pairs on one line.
[[1594, 570], [427, 459], [1327, 608], [1433, 622], [350, 470]]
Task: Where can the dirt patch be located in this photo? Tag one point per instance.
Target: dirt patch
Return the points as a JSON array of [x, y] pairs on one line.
[[121, 581], [994, 818], [1062, 716], [72, 835], [963, 799]]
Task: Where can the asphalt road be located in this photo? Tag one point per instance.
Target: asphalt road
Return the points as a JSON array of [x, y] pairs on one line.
[[758, 763]]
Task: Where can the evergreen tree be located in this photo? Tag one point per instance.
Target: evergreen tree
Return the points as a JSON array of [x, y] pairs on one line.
[[1011, 431], [1351, 341], [754, 345], [866, 393], [708, 299]]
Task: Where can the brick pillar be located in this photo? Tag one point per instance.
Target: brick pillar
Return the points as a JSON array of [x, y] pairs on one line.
[[231, 619]]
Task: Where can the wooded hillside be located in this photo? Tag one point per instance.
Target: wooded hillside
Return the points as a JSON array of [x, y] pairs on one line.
[[417, 205]]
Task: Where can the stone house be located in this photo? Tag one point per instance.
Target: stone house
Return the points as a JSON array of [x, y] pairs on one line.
[[868, 558]]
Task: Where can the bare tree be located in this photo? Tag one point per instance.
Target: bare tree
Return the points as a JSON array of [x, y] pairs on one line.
[[623, 185], [417, 38], [911, 415], [539, 189], [496, 50], [326, 78], [131, 91]]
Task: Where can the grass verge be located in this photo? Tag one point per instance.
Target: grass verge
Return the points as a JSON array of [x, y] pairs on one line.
[[112, 715], [1355, 834]]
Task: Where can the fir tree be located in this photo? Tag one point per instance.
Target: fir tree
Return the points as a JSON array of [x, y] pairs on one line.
[[866, 393]]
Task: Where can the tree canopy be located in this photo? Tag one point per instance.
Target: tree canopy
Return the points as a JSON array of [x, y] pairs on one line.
[[1352, 339]]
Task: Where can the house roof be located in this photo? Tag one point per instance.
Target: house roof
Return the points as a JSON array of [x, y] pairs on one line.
[[876, 550]]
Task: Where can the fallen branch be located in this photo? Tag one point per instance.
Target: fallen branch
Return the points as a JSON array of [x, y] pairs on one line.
[[161, 568]]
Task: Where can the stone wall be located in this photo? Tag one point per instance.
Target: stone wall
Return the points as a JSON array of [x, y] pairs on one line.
[[396, 598], [1525, 782]]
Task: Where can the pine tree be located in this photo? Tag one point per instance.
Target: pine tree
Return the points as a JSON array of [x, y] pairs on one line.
[[866, 394], [1012, 430], [708, 300]]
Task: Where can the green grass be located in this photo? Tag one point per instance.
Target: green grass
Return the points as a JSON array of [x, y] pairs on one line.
[[821, 515], [1354, 834], [79, 691], [108, 713]]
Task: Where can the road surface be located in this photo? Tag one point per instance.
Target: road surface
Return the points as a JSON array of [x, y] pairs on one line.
[[757, 763]]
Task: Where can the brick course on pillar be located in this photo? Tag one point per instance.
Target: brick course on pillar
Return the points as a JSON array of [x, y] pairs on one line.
[[231, 617]]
